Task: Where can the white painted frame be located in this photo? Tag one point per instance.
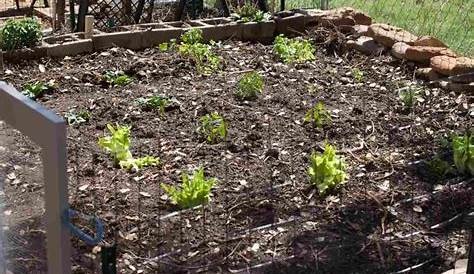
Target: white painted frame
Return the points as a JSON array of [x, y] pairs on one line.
[[48, 130]]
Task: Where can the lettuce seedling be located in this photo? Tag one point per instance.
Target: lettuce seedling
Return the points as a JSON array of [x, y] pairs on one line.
[[194, 191], [318, 115], [327, 170], [204, 59], [249, 86], [463, 153], [118, 144], [116, 78], [213, 128], [293, 50], [76, 119]]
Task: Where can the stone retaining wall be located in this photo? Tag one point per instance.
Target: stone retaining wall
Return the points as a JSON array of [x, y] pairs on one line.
[[436, 62]]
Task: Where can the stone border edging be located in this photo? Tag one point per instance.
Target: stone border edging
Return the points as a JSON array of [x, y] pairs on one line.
[[435, 59]]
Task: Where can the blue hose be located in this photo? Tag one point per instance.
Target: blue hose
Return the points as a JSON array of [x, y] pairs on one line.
[[88, 239]]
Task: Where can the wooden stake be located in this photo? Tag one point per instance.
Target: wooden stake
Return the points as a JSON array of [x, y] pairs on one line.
[[89, 26]]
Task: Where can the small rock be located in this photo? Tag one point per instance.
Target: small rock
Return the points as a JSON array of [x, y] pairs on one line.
[[388, 35], [399, 50], [358, 16], [424, 53], [360, 30], [365, 45], [447, 65], [427, 73], [429, 41]]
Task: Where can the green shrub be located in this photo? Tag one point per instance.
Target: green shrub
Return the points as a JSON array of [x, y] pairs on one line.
[[318, 115], [194, 191], [16, 34], [249, 12], [327, 170], [463, 153], [118, 145], [249, 86], [293, 50], [192, 47], [213, 128]]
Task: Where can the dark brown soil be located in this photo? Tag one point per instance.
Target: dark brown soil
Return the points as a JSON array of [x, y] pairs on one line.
[[264, 214]]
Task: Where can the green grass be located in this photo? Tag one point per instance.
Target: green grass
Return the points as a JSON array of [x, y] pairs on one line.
[[452, 21]]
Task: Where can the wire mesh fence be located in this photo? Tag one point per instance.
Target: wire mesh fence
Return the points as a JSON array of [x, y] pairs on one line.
[[450, 21]]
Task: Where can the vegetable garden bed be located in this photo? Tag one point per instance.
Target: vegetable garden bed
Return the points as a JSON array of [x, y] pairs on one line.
[[264, 215]]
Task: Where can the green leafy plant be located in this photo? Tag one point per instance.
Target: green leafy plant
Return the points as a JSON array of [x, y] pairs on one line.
[[249, 12], [293, 50], [116, 78], [318, 115], [409, 96], [194, 190], [463, 153], [155, 102], [358, 75], [213, 128], [118, 145], [36, 89], [77, 118], [438, 168], [327, 170], [249, 86], [192, 47], [20, 33], [163, 47]]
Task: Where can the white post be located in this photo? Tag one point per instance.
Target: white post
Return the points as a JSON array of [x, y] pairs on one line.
[[89, 26]]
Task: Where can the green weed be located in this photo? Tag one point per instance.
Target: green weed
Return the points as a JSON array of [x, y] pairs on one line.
[[318, 115], [213, 128]]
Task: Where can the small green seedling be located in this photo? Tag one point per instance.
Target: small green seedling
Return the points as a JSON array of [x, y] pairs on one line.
[[192, 47], [463, 153], [117, 78], [409, 96], [36, 89], [163, 47], [194, 191], [358, 75], [249, 12], [77, 118], [438, 168], [213, 128], [155, 102], [249, 86], [118, 145], [293, 50], [318, 115], [327, 170]]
